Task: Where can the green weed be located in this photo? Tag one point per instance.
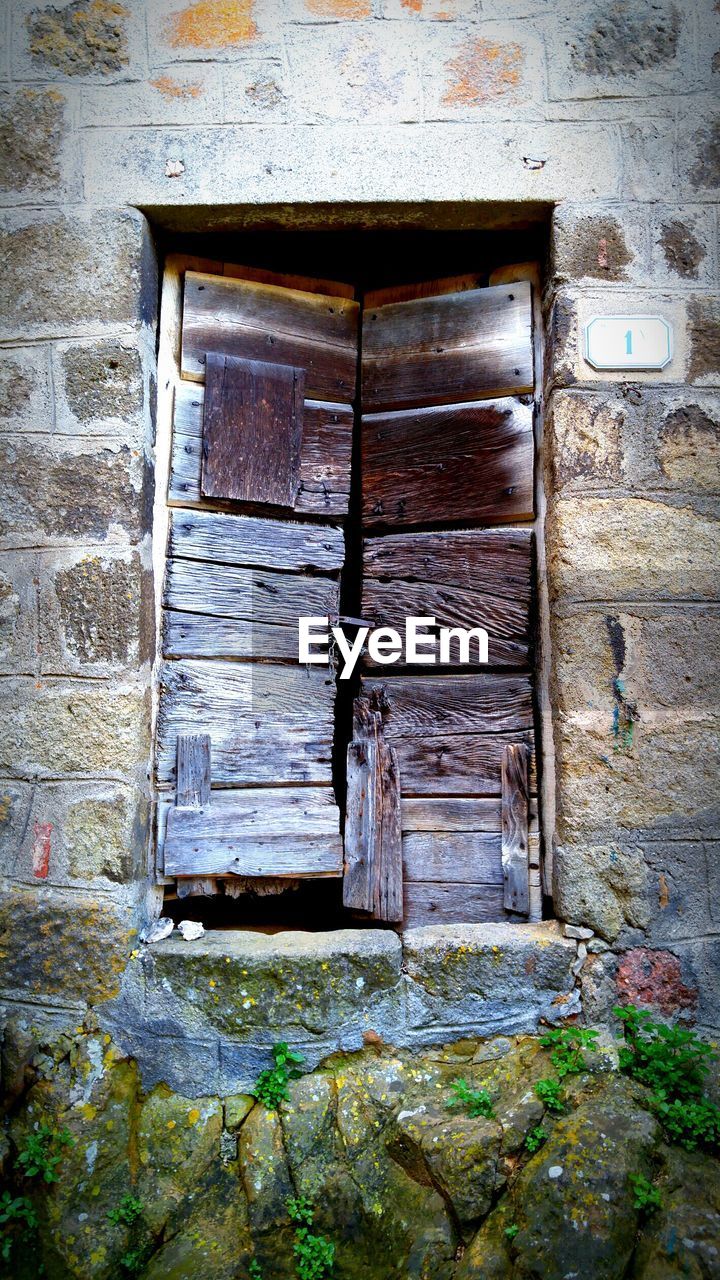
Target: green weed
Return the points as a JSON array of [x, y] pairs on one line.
[[314, 1255], [549, 1093], [43, 1152], [535, 1139], [646, 1196], [512, 1231], [271, 1087], [476, 1101], [127, 1212], [14, 1211], [567, 1044]]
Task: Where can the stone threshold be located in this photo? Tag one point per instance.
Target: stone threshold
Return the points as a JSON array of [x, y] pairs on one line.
[[202, 1016]]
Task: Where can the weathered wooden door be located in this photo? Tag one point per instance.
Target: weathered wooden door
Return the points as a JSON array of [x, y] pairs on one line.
[[262, 439], [447, 497]]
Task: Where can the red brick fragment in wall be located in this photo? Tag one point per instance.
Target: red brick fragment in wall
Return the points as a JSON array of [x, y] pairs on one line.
[[212, 24], [483, 71], [652, 978], [170, 88], [339, 8], [42, 844]]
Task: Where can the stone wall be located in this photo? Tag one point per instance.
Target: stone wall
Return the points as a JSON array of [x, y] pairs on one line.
[[361, 112]]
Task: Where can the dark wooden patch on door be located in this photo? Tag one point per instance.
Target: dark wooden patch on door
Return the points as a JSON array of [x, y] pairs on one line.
[[252, 431]]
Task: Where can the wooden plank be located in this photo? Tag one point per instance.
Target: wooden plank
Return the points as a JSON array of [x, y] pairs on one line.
[[373, 846], [457, 463], [247, 854], [432, 706], [465, 813], [442, 857], [255, 321], [252, 430], [515, 796], [194, 635], [255, 541], [325, 455], [423, 289], [507, 622], [267, 723], [333, 288], [460, 764], [255, 595], [496, 561], [451, 904], [462, 346], [193, 770]]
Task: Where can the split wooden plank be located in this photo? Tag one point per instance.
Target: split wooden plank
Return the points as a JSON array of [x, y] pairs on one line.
[[325, 455], [260, 321], [247, 853], [442, 350], [306, 284], [458, 463], [442, 857], [255, 595], [192, 791], [497, 561], [460, 764], [507, 622], [252, 430], [451, 903], [465, 813], [423, 289], [431, 706], [515, 828], [256, 541], [373, 845]]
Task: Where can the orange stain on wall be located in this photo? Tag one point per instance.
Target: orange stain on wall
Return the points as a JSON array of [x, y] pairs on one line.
[[415, 6], [170, 88], [209, 24], [340, 8], [483, 71]]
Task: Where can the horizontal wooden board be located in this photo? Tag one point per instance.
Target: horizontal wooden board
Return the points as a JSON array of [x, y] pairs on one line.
[[261, 321], [497, 562], [458, 463], [306, 284], [443, 857], [388, 604], [186, 854], [460, 764], [454, 814], [195, 635], [451, 904], [325, 455], [267, 723], [432, 706], [423, 289], [258, 595], [468, 345], [255, 541]]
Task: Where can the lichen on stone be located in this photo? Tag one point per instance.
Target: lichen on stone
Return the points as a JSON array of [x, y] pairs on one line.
[[79, 38]]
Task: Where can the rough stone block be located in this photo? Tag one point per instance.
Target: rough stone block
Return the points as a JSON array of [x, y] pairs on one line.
[[623, 51], [18, 615], [476, 73], [37, 155], [649, 170], [683, 245], [85, 40], [53, 728], [67, 492], [182, 95], [203, 30], [493, 977], [366, 75], [71, 833], [571, 312], [585, 443], [608, 245], [246, 985], [704, 341], [324, 11], [604, 886], [630, 548], [95, 612], [255, 93], [100, 386], [430, 10], [676, 440], [73, 274], [67, 948], [699, 152], [26, 397]]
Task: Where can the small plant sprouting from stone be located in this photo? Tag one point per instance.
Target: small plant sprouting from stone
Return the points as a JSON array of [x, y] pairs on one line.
[[271, 1087], [672, 1062], [314, 1255], [646, 1197], [43, 1151], [549, 1093], [255, 1270], [127, 1212], [568, 1044], [477, 1102], [16, 1215], [535, 1139], [133, 1260], [512, 1231]]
